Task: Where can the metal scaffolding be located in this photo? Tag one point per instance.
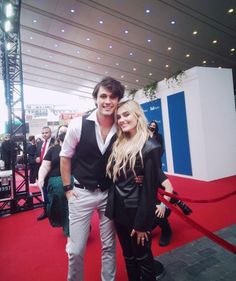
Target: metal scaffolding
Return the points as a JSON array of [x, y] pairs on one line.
[[21, 198]]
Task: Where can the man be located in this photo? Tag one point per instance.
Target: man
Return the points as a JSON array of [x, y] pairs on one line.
[[31, 150], [6, 152], [42, 148], [9, 152], [89, 140]]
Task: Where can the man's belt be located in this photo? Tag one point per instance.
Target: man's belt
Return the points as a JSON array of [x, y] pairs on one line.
[[79, 185]]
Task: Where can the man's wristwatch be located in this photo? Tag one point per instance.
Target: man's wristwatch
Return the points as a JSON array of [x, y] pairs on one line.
[[67, 187]]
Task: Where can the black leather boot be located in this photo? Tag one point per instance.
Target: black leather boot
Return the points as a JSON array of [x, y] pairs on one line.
[[147, 268], [132, 269], [159, 269], [166, 233], [43, 215]]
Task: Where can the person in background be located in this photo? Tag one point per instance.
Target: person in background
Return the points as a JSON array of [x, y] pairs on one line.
[[6, 152], [88, 141], [38, 140], [132, 206], [162, 212], [9, 152], [154, 133], [42, 148], [49, 178], [32, 153]]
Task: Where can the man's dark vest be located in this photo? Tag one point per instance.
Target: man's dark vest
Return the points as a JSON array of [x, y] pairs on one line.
[[89, 166]]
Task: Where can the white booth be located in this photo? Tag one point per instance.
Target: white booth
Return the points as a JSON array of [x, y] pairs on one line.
[[198, 121]]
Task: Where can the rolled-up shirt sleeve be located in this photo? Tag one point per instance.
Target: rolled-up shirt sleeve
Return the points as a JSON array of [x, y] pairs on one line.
[[72, 138]]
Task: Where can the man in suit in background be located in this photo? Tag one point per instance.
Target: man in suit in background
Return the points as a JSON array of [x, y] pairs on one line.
[[42, 148], [32, 150], [9, 152]]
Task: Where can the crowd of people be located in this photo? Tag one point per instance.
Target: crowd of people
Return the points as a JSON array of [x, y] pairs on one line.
[[108, 161]]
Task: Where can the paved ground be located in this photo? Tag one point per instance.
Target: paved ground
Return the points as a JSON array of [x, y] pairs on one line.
[[202, 260]]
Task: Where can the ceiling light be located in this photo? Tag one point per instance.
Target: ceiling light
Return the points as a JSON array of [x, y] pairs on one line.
[[110, 46], [137, 80], [72, 11], [31, 38], [230, 11], [130, 53], [63, 30], [214, 41], [172, 22], [7, 26], [149, 40], [126, 31], [232, 50], [149, 60], [34, 21], [204, 61], [98, 58], [9, 46], [101, 21], [88, 39], [122, 76], [150, 74], [9, 10], [148, 11], [187, 55], [55, 45], [77, 52], [134, 69], [167, 65], [117, 64], [195, 32], [169, 48]]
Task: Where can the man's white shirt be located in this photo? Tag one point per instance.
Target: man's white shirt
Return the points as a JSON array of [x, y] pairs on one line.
[[73, 135]]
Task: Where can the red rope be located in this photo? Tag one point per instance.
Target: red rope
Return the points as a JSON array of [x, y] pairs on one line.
[[162, 192], [223, 243]]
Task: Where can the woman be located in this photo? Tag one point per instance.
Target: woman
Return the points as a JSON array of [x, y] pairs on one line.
[[50, 177], [154, 132], [131, 205]]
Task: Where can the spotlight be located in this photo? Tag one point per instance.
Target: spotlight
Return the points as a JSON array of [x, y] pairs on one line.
[[7, 26], [9, 10], [9, 16]]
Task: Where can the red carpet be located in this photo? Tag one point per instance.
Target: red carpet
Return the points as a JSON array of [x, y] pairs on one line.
[[34, 251]]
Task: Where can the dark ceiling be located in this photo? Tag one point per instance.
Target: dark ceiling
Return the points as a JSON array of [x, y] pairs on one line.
[[69, 45]]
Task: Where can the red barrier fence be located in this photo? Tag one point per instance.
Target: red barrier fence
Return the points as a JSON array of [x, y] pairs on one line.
[[223, 243]]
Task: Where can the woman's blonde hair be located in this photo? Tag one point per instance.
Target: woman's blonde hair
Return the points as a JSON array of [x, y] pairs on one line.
[[125, 148]]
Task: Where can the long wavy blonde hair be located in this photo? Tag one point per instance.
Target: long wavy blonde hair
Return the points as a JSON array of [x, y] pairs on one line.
[[126, 148]]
